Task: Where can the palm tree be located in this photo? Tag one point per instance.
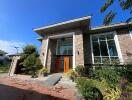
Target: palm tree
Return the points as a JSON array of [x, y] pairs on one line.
[[124, 4]]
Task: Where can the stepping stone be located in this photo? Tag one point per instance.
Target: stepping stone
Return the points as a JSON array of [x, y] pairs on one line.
[[52, 80]]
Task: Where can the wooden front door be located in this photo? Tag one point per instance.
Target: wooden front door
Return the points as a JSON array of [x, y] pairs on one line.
[[57, 65], [66, 64]]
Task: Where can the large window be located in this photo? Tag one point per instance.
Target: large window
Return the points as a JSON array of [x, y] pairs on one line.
[[104, 49], [64, 46]]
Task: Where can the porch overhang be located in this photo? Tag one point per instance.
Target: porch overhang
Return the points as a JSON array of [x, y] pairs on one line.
[[75, 23]]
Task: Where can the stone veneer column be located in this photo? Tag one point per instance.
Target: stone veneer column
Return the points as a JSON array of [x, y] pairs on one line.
[[79, 54], [51, 55], [43, 50], [125, 42]]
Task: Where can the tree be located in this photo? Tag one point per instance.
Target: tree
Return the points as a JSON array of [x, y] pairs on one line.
[[126, 5], [29, 60]]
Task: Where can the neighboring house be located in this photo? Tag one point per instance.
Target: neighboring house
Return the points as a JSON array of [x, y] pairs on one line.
[[3, 57], [69, 44], [13, 55]]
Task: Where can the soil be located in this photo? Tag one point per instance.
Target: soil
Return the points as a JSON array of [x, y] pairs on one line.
[[18, 89]]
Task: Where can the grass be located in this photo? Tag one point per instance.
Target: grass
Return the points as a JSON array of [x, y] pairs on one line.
[[4, 69]]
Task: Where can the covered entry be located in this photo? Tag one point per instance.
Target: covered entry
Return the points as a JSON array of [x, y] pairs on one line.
[[64, 54]]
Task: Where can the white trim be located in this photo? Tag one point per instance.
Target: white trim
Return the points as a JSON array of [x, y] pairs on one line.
[[74, 52], [116, 43], [118, 48], [91, 43], [63, 23], [61, 35], [45, 57], [111, 26], [130, 32]]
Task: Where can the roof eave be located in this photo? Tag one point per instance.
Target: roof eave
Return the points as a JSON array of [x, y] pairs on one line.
[[111, 27], [62, 24]]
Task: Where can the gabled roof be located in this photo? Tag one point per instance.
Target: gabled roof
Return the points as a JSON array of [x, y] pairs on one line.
[[79, 22]]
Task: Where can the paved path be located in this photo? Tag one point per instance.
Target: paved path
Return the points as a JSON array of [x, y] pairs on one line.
[[52, 80]]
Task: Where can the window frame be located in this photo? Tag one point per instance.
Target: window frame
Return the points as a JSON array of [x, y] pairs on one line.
[[58, 43], [119, 54]]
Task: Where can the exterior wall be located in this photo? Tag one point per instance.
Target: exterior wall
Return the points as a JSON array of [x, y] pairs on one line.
[[83, 47], [51, 55], [87, 49], [79, 50], [42, 50], [125, 42]]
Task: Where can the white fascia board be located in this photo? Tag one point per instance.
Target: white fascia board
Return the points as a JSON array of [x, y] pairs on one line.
[[63, 23], [110, 26]]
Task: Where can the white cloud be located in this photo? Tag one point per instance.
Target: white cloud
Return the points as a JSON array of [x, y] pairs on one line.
[[8, 46]]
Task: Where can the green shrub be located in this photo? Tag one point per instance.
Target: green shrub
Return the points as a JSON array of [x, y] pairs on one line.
[[107, 73], [72, 74], [88, 89], [44, 70], [125, 71], [80, 70], [112, 94], [29, 61]]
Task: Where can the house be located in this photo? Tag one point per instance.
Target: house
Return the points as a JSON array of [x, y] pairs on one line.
[[3, 57], [71, 43]]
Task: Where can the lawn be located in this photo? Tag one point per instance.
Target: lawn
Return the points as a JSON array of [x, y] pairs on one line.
[[4, 69]]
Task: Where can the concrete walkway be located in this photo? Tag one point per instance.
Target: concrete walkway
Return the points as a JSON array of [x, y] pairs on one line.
[[52, 80]]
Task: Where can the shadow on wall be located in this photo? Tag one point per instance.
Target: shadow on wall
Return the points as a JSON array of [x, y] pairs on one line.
[[13, 93]]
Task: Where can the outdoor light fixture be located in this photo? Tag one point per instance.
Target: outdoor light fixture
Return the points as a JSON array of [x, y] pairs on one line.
[[78, 52], [43, 53]]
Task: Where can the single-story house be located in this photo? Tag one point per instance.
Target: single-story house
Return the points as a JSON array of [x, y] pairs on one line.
[[3, 58], [71, 43]]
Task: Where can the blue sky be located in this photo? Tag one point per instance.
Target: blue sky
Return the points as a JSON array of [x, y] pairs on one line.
[[19, 17]]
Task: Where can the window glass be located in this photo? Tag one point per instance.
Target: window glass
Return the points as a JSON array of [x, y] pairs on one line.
[[94, 38], [110, 36], [96, 50], [112, 48], [103, 48], [102, 37], [97, 60], [105, 60], [64, 46], [115, 60]]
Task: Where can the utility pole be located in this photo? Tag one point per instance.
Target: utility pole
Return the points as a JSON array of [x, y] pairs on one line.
[[16, 48]]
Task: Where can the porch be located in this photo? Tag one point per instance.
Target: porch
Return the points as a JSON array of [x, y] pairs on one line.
[[60, 54]]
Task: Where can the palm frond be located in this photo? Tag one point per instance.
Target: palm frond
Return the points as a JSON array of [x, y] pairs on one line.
[[109, 17], [106, 5]]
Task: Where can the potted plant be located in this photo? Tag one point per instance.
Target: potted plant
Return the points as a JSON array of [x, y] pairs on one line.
[[44, 71]]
